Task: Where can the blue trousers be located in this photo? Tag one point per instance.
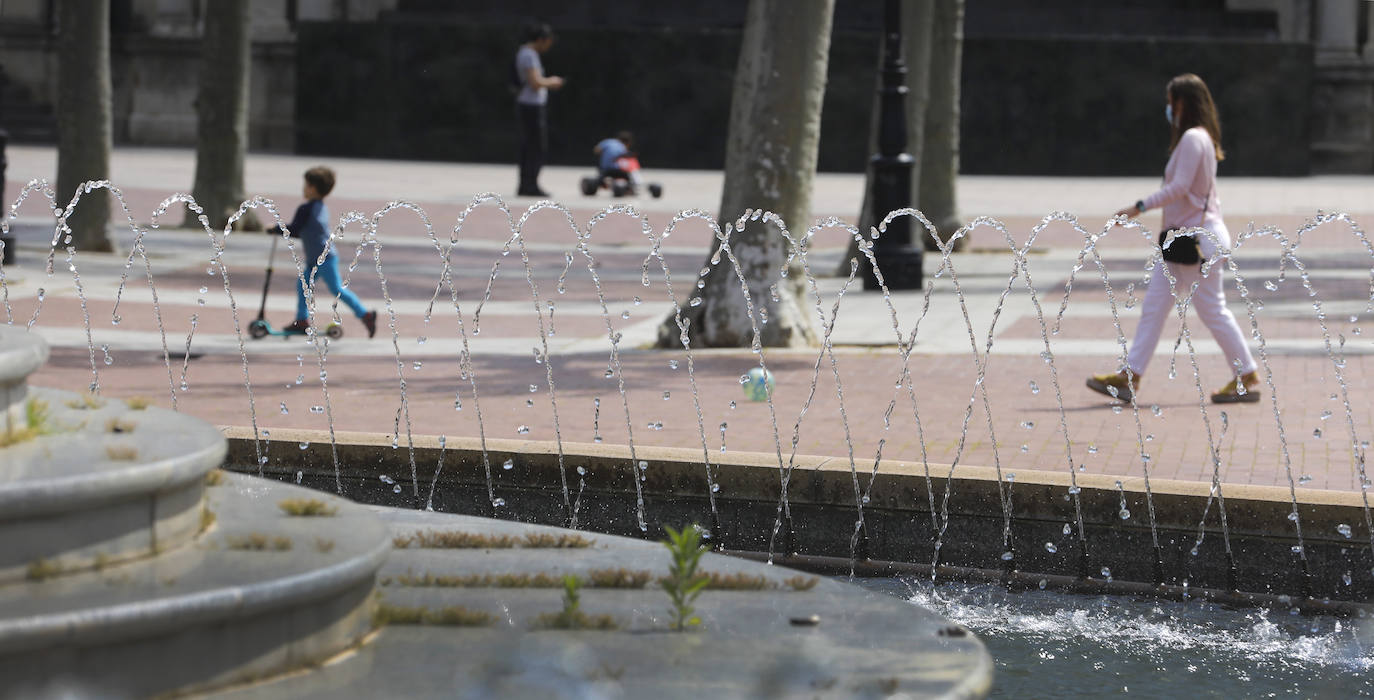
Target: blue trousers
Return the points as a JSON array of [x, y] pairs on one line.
[[329, 273]]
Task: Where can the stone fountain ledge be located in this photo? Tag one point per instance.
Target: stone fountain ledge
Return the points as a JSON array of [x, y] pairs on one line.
[[858, 643], [101, 482], [206, 614]]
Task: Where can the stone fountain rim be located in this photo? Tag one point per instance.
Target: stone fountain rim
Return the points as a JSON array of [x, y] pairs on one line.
[[43, 496], [146, 617], [21, 354]]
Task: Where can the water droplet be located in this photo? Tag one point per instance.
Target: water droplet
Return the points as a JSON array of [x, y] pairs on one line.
[[421, 340], [1067, 529], [1007, 556], [1346, 578], [1025, 448], [1010, 477], [1049, 547], [672, 364], [1027, 424], [1043, 583], [1296, 549], [304, 445], [1293, 516], [534, 388], [522, 430], [1305, 479], [1116, 408], [417, 365], [667, 395], [508, 465], [1269, 284], [1150, 437], [732, 405], [1155, 409], [1074, 491], [396, 488], [299, 475], [609, 373], [638, 301], [1035, 388], [696, 301], [283, 408], [743, 379], [529, 403], [498, 502], [1326, 415], [581, 471], [116, 319], [1106, 573], [1344, 529], [1092, 449], [715, 488], [317, 409], [1317, 433], [1124, 514], [625, 314]]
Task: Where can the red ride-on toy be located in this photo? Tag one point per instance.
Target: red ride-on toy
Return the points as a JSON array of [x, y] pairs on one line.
[[622, 180]]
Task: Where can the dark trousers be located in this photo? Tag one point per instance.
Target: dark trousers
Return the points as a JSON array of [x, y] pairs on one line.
[[534, 143]]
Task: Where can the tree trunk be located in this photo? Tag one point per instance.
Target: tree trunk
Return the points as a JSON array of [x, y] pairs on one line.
[[940, 166], [916, 19], [770, 163], [84, 125], [226, 62]]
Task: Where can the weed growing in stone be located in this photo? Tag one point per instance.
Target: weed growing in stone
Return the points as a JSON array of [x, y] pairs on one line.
[[36, 419], [215, 477], [544, 540], [86, 402], [138, 403], [683, 584], [306, 507], [121, 453], [599, 578], [456, 616], [259, 542], [571, 616], [43, 569], [120, 425], [434, 539]]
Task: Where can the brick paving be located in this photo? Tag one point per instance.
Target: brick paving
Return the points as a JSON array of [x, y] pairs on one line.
[[1024, 431]]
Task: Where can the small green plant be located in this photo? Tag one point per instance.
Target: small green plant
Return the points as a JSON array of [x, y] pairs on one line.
[[36, 419], [214, 477], [802, 583], [207, 518], [683, 584], [306, 507], [138, 403], [571, 616]]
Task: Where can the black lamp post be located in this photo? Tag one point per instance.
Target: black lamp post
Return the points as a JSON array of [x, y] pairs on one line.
[[898, 259]]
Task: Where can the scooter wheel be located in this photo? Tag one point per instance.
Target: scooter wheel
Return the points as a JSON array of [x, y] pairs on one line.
[[334, 331], [258, 330], [619, 189], [656, 190], [590, 186]]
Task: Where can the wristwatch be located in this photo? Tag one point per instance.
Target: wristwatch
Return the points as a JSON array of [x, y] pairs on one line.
[[1140, 204]]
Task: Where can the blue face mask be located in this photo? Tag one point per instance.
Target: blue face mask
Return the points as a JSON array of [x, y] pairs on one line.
[[1169, 114]]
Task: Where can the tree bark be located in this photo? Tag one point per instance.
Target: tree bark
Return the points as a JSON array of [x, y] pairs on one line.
[[916, 19], [770, 163], [940, 166], [84, 121], [226, 63]]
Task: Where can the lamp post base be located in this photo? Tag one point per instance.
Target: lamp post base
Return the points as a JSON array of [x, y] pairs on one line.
[[901, 268]]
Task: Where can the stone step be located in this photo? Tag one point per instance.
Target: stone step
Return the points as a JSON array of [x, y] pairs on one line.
[[98, 482], [257, 592], [829, 640]]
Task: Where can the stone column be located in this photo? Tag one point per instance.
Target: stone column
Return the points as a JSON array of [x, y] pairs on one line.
[[1342, 91]]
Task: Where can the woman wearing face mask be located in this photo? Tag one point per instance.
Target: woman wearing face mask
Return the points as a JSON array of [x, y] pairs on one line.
[[1189, 199]]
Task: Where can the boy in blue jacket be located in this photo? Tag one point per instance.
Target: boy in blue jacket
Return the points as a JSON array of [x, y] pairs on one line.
[[311, 225]]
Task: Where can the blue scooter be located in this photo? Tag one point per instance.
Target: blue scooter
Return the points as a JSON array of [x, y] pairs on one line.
[[260, 328]]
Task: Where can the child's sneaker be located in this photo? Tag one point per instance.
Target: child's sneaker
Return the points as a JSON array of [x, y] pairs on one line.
[[370, 320], [1115, 385], [300, 325], [1231, 393]]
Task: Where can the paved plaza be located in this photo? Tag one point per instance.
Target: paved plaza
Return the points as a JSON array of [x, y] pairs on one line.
[[1012, 419]]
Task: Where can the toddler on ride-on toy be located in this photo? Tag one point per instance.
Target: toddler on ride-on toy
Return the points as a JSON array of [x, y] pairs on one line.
[[618, 169]]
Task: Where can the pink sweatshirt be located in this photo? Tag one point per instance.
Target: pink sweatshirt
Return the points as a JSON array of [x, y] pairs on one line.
[[1189, 176]]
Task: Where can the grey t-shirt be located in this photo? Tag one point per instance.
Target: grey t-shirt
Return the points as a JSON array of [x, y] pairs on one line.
[[525, 59]]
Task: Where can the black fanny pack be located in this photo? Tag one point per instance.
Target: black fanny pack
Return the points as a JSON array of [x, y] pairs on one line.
[[1184, 250]]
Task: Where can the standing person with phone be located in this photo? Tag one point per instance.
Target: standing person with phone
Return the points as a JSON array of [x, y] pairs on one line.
[[531, 105], [1188, 198]]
